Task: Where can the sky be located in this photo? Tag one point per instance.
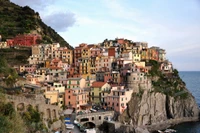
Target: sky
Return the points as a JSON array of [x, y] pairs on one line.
[[173, 25]]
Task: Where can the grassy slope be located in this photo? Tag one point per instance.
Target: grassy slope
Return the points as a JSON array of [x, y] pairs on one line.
[[16, 20]]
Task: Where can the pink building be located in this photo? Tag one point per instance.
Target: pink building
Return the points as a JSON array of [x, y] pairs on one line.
[[76, 98], [118, 98], [27, 68]]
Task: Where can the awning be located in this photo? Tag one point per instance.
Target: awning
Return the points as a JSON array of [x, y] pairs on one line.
[[67, 119], [67, 122]]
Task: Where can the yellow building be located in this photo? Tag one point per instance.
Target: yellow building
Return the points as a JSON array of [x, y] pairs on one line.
[[67, 55], [52, 96], [85, 63], [85, 68], [145, 54], [76, 83], [97, 89]]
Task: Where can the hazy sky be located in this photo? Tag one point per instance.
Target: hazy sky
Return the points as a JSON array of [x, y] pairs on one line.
[[173, 25]]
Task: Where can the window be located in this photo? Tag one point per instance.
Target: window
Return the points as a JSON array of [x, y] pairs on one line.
[[68, 97], [69, 91], [99, 117], [92, 118]]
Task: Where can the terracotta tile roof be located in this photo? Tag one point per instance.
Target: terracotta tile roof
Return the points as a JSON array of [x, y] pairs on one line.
[[91, 45], [114, 85], [53, 67], [98, 84]]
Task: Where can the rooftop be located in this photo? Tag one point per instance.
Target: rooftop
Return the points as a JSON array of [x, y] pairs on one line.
[[98, 84]]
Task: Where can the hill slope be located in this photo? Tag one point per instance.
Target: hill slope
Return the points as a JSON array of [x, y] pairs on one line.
[[16, 20]]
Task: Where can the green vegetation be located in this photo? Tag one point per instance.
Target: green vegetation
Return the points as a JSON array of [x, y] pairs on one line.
[[33, 120], [169, 84], [154, 69], [10, 120], [16, 20], [13, 122], [9, 74], [16, 56]]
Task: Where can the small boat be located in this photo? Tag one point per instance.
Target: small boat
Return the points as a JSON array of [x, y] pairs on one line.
[[170, 131], [167, 131], [160, 131], [90, 130]]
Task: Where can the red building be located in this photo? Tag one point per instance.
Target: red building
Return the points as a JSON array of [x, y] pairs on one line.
[[24, 40], [111, 51]]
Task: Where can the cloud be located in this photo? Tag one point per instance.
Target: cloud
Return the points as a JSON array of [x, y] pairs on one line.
[[35, 4], [52, 15], [60, 21]]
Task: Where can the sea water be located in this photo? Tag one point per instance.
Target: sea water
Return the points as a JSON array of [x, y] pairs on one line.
[[192, 80]]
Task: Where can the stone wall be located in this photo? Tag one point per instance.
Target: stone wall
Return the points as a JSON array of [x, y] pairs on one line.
[[21, 103]]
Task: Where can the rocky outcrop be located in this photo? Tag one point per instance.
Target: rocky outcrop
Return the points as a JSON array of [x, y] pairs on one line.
[[116, 127], [154, 107]]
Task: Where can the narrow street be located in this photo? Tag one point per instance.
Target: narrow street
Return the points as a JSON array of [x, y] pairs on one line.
[[76, 129]]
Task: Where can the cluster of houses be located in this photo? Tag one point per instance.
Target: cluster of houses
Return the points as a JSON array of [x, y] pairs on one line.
[[103, 74]]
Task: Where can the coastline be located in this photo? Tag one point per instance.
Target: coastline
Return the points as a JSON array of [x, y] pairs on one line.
[[119, 127], [169, 123]]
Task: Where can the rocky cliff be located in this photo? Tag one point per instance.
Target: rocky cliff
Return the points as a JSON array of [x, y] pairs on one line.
[[157, 107], [167, 102]]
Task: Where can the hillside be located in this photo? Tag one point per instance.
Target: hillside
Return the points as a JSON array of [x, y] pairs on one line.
[[16, 56], [16, 20], [166, 102]]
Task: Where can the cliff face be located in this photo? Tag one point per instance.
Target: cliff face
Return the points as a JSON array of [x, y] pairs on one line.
[[167, 99], [155, 107]]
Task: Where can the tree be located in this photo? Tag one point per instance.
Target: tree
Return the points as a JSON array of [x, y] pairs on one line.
[[9, 117]]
